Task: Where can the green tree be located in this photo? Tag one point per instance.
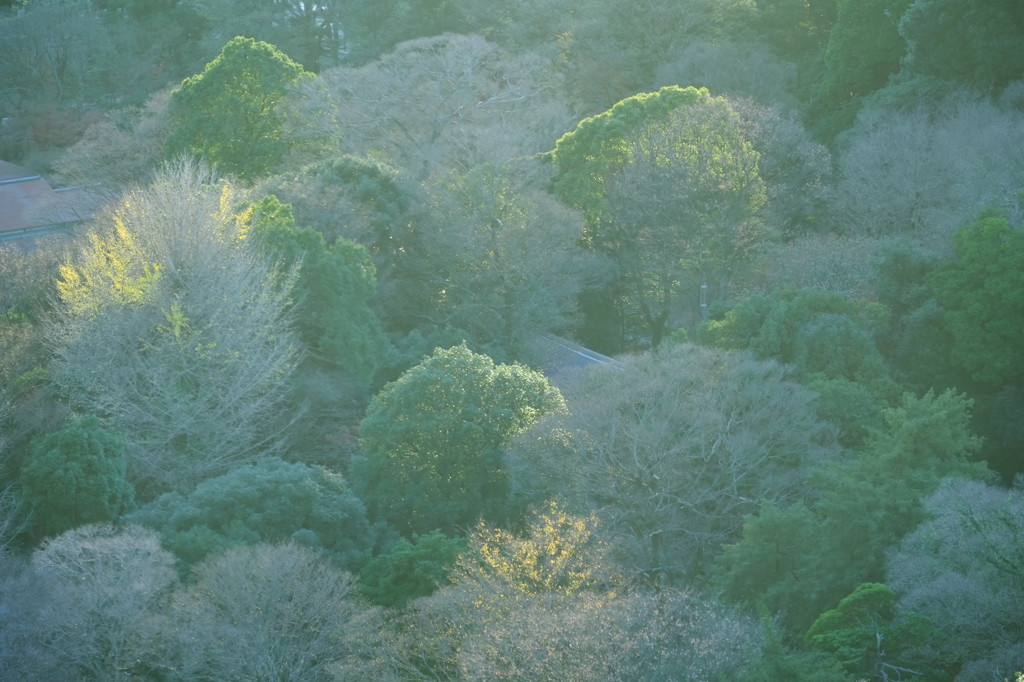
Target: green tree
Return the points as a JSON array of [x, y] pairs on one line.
[[971, 44], [999, 419], [925, 438], [915, 342], [270, 501], [410, 569], [598, 148], [777, 326], [780, 662], [798, 29], [433, 440], [864, 50], [358, 198], [859, 632], [773, 555], [670, 188], [76, 476], [333, 289], [228, 113], [799, 560], [841, 362], [982, 295], [828, 339]]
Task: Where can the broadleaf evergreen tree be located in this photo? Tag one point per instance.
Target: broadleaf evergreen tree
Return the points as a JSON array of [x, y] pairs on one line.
[[228, 113], [76, 476]]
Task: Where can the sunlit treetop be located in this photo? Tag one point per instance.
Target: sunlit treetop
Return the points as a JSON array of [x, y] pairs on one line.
[[558, 552], [120, 263], [229, 112], [585, 156]]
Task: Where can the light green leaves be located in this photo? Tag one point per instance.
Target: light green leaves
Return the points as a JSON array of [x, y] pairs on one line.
[[228, 113]]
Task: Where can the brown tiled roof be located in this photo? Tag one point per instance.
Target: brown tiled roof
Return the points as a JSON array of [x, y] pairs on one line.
[[27, 202]]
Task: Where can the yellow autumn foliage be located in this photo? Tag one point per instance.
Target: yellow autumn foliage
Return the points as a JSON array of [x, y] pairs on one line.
[[111, 269], [558, 553], [117, 267]]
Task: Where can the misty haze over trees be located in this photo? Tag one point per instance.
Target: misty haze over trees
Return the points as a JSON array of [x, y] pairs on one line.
[[285, 406]]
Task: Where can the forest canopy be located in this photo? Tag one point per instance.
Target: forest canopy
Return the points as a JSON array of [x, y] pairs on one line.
[[544, 340]]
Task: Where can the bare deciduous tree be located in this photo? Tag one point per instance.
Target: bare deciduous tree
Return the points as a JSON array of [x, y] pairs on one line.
[[104, 588], [445, 102], [13, 517], [797, 171], [927, 174], [674, 448], [843, 263], [50, 51], [273, 612], [963, 570], [123, 149], [747, 69], [500, 261], [172, 330], [478, 631]]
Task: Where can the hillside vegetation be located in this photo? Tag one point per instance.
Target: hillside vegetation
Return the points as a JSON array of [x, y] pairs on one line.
[[280, 409]]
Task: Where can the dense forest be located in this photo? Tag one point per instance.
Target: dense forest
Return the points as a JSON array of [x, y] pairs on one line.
[[285, 408]]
